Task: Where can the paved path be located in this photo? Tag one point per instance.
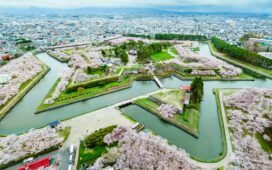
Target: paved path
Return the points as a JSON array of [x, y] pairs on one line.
[[88, 123], [158, 81], [226, 160]]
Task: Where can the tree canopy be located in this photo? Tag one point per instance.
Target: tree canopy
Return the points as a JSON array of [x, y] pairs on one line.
[[180, 37], [196, 91], [242, 54]]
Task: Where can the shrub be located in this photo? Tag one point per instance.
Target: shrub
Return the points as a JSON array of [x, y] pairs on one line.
[[80, 89], [97, 138]]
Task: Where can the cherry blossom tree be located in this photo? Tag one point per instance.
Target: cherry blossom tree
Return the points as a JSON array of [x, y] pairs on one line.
[[80, 76], [193, 60], [123, 40], [15, 147], [167, 110], [20, 70], [78, 61], [64, 79], [249, 110], [60, 55], [144, 151]]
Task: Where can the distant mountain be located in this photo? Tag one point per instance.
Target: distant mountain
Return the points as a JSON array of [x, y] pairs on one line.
[[155, 10]]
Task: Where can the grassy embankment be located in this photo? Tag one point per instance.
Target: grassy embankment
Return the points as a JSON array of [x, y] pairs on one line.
[[187, 121], [66, 98], [244, 65], [24, 89]]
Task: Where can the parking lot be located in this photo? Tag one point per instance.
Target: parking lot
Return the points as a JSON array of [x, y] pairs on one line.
[[61, 156]]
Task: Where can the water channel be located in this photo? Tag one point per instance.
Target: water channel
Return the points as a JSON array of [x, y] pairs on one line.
[[208, 146]]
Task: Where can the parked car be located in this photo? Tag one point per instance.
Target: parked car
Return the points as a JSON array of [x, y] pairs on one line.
[[71, 161], [54, 124], [28, 160], [71, 149]]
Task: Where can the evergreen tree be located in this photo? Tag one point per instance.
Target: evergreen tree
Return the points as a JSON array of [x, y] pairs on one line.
[[196, 90]]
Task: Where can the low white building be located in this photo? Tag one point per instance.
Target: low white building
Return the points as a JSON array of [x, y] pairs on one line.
[[5, 78]]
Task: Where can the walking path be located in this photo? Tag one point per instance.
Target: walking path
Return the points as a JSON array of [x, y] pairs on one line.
[[86, 124], [158, 82]]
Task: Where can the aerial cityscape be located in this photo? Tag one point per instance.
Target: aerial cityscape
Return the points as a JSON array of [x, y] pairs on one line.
[[167, 84]]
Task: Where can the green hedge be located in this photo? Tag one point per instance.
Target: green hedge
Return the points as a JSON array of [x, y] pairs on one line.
[[92, 83]]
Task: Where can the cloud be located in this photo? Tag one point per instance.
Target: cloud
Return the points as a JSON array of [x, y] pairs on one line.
[[131, 3]]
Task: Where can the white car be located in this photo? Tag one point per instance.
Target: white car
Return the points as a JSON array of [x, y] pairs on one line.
[[71, 160], [71, 149], [28, 160]]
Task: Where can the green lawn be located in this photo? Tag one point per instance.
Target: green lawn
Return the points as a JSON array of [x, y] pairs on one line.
[[64, 132], [171, 96], [266, 145], [88, 156], [173, 50], [68, 98], [188, 121], [68, 51], [162, 56]]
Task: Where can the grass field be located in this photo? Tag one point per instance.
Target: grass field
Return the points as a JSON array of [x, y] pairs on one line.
[[171, 96], [162, 56], [188, 121]]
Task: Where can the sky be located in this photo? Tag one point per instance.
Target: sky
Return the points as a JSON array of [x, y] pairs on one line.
[[134, 3]]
